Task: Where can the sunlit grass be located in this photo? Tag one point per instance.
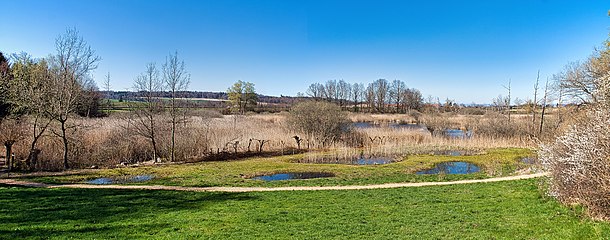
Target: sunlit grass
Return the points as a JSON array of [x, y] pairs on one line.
[[503, 210], [494, 162]]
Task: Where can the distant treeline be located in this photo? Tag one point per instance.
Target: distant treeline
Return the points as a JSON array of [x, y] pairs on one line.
[[118, 95], [381, 96]]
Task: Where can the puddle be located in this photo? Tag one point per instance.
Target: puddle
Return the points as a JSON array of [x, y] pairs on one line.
[[120, 180], [528, 160], [293, 175], [451, 168], [458, 133], [372, 161]]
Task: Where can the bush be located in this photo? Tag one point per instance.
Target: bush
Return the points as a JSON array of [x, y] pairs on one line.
[[579, 164], [495, 125], [436, 123], [321, 121]]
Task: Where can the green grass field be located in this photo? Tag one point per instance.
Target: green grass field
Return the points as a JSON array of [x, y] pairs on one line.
[[237, 172], [503, 210]]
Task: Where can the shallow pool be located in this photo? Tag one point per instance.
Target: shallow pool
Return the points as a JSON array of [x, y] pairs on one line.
[[451, 168], [293, 175], [122, 179]]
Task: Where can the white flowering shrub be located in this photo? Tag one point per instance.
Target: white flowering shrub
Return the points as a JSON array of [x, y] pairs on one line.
[[579, 164]]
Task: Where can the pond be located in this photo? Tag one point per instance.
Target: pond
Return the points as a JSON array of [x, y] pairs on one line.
[[372, 161], [364, 125], [409, 126], [293, 175], [122, 179], [451, 168], [458, 133]]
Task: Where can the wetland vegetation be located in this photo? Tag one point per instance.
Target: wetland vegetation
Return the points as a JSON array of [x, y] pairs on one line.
[[63, 137]]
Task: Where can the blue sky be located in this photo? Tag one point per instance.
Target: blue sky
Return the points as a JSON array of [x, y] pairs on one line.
[[462, 50]]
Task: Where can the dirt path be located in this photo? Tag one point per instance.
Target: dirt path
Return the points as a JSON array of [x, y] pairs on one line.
[[263, 189]]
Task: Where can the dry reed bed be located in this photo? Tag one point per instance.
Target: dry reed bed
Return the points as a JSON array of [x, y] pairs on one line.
[[110, 141]]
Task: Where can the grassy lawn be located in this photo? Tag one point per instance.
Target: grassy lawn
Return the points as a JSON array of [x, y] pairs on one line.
[[503, 210], [238, 172]]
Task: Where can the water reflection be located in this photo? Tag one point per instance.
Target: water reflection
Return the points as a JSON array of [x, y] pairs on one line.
[[452, 168], [293, 175], [122, 179], [458, 133]]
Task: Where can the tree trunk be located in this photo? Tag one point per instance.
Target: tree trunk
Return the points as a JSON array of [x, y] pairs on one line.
[[542, 120], [154, 145], [64, 138], [8, 145], [544, 102], [173, 140], [33, 159], [173, 137], [535, 103]]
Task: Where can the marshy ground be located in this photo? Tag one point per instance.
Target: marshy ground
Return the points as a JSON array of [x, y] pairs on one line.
[[240, 173]]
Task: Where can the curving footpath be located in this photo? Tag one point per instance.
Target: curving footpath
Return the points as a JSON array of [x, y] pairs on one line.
[[264, 189]]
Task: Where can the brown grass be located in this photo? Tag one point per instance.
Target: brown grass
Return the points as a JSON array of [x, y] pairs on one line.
[[109, 142]]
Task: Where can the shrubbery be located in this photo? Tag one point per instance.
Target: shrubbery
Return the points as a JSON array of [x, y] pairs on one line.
[[320, 121], [579, 164]]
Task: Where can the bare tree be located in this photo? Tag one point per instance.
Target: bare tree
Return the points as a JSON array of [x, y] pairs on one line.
[[343, 92], [370, 97], [70, 67], [508, 99], [147, 109], [599, 69], [12, 131], [381, 93], [397, 89], [107, 89], [315, 90], [376, 96], [357, 90], [450, 105], [500, 103], [176, 79], [545, 101], [29, 91], [331, 90], [535, 102], [412, 99], [578, 82]]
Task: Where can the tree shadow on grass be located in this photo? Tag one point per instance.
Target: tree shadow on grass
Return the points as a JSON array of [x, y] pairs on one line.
[[36, 212]]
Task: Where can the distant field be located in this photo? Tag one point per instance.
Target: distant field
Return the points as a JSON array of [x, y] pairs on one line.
[[200, 99], [503, 210]]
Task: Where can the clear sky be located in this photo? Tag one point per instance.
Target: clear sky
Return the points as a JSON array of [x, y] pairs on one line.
[[463, 50]]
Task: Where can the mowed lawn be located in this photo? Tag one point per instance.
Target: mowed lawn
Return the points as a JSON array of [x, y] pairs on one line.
[[503, 210]]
